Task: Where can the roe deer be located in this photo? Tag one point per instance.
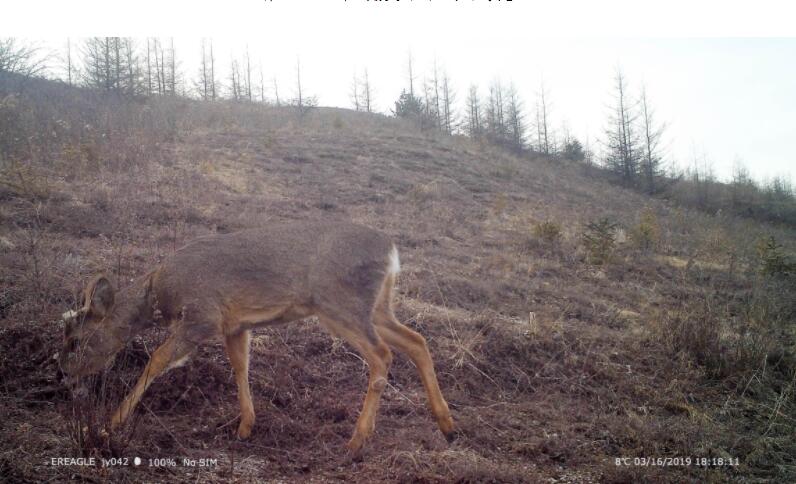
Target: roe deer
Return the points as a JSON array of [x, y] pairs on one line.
[[223, 286]]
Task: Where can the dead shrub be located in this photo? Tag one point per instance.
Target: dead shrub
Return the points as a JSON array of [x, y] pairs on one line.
[[422, 193], [726, 346]]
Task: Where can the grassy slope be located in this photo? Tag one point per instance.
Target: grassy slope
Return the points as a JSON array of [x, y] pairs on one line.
[[598, 375]]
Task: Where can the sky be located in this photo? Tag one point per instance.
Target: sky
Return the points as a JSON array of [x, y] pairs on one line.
[[719, 75]]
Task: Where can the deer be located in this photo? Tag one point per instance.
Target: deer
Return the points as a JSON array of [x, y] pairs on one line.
[[223, 286]]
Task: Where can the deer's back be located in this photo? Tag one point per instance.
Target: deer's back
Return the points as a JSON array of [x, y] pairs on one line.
[[283, 264]]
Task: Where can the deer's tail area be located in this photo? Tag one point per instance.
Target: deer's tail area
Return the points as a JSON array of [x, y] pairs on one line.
[[384, 298], [394, 265]]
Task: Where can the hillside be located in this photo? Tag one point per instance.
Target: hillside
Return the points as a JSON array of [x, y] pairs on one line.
[[675, 346]]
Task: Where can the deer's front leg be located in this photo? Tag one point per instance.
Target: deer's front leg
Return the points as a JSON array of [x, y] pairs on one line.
[[238, 351], [172, 353]]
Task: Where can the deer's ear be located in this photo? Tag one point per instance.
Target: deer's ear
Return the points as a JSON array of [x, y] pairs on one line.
[[99, 296]]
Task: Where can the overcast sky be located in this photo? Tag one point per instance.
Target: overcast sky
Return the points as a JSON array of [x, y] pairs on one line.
[[723, 95]]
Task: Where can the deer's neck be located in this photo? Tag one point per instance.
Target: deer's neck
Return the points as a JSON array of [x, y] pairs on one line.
[[134, 308]]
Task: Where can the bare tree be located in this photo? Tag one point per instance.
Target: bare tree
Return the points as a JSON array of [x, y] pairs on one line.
[[148, 67], [494, 120], [437, 111], [299, 99], [515, 119], [110, 64], [248, 74], [234, 80], [448, 100], [355, 91], [703, 179], [276, 92], [69, 68], [367, 92], [20, 58], [212, 73], [302, 101], [544, 140], [204, 74], [159, 66], [411, 76], [427, 100], [473, 116], [133, 83], [262, 83], [172, 68], [622, 142], [652, 158], [742, 187]]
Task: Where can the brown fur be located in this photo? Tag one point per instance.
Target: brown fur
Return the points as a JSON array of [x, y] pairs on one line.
[[221, 287]]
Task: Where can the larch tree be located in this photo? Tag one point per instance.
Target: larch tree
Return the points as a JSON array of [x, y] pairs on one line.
[[622, 144], [133, 64], [110, 64], [172, 72], [473, 116], [448, 101], [411, 75], [494, 119], [148, 67], [212, 73], [742, 187], [20, 58], [652, 159], [367, 92], [515, 119], [68, 61], [248, 74], [299, 96], [204, 74], [544, 135], [234, 80], [437, 110], [262, 83], [355, 92]]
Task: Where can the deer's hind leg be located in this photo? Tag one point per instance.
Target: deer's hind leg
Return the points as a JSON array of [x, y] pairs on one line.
[[360, 334], [414, 345], [237, 347]]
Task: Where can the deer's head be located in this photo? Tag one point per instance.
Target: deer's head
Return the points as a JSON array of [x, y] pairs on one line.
[[93, 334]]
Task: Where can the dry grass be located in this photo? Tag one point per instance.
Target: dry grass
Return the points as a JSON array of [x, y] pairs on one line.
[[677, 347]]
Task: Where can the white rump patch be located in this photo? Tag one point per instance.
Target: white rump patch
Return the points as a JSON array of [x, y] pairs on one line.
[[69, 315], [179, 363], [395, 262]]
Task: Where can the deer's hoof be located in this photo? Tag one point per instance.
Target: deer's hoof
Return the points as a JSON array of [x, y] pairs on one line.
[[451, 436], [244, 431], [354, 456]]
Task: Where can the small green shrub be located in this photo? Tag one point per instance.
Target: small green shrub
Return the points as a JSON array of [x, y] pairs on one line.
[[646, 234], [773, 260], [548, 231], [599, 238], [500, 203]]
